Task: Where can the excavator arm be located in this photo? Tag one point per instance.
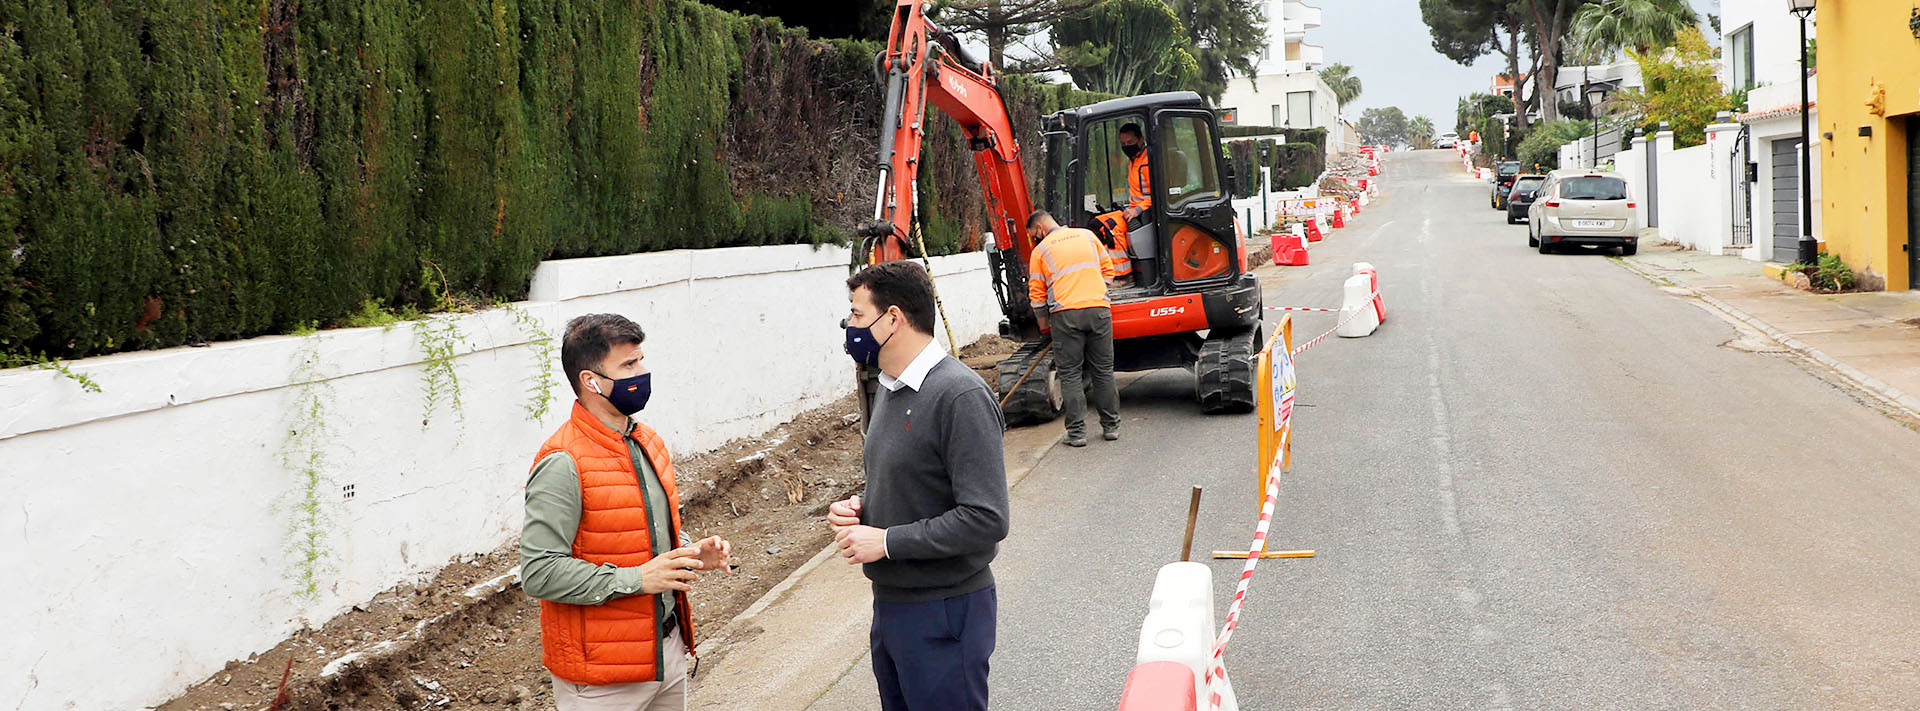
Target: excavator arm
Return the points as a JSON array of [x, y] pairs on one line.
[[924, 65]]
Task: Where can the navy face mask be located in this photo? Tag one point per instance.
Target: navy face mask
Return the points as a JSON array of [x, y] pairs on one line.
[[629, 395], [862, 346]]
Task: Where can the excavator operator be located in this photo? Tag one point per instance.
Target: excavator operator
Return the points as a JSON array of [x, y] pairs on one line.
[[1139, 239]]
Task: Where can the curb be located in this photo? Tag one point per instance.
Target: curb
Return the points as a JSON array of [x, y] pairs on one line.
[[1891, 395]]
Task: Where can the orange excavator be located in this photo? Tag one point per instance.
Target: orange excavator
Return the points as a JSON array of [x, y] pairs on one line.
[[1192, 300]]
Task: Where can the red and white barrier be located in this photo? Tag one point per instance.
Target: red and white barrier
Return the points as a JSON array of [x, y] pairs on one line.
[[1290, 248], [1358, 316], [1179, 630], [1373, 278], [1315, 232]]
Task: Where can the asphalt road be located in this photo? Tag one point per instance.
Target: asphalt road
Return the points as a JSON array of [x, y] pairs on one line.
[[1543, 483]]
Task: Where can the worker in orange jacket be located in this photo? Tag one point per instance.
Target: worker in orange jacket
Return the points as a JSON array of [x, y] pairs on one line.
[[1067, 287], [1138, 211]]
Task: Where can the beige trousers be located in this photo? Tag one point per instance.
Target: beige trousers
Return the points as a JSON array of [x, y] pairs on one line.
[[667, 695]]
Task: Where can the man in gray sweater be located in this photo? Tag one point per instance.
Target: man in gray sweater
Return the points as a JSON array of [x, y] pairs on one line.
[[936, 504]]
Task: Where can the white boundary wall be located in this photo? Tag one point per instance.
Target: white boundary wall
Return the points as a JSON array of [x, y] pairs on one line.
[[148, 531], [1696, 188]]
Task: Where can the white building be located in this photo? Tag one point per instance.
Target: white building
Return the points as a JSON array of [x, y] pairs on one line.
[[1601, 81], [1760, 53], [1286, 91]]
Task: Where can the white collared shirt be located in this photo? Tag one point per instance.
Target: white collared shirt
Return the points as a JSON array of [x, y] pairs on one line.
[[916, 373]]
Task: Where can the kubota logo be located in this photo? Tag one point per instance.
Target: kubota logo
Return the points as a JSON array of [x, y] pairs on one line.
[[956, 87], [1167, 311]]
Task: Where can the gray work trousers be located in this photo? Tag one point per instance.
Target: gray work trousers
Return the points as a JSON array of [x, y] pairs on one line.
[[1083, 360]]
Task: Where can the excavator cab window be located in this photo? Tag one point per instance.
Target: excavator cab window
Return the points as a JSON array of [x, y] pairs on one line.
[[1059, 176], [1106, 182], [1187, 169]]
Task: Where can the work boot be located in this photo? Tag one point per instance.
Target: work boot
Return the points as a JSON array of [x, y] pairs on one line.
[[1110, 434], [1076, 439]]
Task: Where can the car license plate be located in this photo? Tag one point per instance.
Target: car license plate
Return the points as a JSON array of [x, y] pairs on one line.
[[1593, 224]]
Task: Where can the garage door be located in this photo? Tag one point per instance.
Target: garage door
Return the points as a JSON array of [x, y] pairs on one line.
[[1786, 199], [1913, 201]]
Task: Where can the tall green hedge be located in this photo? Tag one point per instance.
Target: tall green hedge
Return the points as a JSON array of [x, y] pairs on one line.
[[176, 171]]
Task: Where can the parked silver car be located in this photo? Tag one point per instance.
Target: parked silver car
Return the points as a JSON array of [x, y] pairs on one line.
[[1583, 208], [1446, 140]]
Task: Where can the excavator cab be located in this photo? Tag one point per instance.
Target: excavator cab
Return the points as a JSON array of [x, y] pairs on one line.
[[1191, 300], [1186, 237]]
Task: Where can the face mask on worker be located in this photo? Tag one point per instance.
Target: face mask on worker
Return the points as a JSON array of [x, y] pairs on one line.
[[863, 347], [628, 395], [1133, 151]]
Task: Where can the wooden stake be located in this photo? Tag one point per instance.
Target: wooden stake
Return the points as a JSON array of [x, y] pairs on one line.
[[1193, 516]]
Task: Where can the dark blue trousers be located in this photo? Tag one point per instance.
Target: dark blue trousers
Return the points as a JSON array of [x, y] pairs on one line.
[[932, 656]]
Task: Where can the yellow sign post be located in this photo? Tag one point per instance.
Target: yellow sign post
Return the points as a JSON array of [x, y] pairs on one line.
[[1274, 405]]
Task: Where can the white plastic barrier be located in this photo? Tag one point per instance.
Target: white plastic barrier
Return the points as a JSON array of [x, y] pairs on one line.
[[1358, 316], [1179, 626], [1373, 276], [1366, 198]]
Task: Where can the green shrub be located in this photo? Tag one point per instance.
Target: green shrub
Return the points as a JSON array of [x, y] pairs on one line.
[[1832, 274], [1542, 144], [176, 171]]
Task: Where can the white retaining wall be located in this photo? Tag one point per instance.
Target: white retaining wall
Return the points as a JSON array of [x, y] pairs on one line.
[[150, 526]]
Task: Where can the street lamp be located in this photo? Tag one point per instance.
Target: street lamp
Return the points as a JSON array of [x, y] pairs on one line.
[[1809, 249]]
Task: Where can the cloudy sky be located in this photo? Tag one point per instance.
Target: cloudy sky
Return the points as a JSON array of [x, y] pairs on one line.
[[1388, 46]]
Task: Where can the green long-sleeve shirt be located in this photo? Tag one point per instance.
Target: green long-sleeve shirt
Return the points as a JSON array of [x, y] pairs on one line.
[[548, 569]]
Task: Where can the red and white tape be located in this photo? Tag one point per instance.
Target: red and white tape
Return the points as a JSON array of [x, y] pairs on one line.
[[1300, 308], [1216, 669], [1317, 339]]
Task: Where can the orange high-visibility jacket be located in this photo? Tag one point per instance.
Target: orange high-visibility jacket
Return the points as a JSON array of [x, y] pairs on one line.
[[617, 641], [1116, 225], [1139, 190], [1068, 271]]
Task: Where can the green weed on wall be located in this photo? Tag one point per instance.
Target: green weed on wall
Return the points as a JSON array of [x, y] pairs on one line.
[[180, 171]]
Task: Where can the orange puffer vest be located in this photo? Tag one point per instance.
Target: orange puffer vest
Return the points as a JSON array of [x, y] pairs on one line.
[[614, 642]]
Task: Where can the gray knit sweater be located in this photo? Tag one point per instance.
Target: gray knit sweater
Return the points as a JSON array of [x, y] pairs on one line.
[[937, 481]]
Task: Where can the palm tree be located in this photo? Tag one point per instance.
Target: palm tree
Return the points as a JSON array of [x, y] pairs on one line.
[[1421, 131], [1340, 78], [1605, 28]]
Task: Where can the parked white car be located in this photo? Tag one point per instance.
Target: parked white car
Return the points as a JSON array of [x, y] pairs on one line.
[[1447, 140], [1583, 208]]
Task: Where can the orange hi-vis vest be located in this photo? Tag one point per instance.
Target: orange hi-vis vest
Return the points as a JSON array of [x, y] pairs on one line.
[[615, 642], [1139, 190], [1116, 227], [1069, 270]]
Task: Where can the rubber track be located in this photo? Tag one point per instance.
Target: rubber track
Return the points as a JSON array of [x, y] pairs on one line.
[[1224, 375], [1033, 404]]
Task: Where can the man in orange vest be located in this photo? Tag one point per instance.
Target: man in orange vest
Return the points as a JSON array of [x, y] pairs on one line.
[[1067, 287], [1140, 232], [599, 547]]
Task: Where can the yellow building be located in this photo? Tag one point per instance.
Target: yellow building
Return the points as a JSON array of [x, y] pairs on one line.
[[1869, 126]]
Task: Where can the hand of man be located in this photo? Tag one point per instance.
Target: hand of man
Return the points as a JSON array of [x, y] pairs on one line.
[[841, 514], [861, 544], [1042, 318], [671, 571], [1130, 211], [714, 553]]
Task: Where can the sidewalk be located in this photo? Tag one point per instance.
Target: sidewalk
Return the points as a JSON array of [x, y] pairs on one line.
[[1870, 338], [804, 644]]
